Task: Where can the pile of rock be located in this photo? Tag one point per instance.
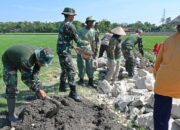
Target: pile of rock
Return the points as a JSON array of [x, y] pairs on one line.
[[135, 98]]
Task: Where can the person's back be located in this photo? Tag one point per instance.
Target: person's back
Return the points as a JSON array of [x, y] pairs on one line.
[[106, 39], [17, 55]]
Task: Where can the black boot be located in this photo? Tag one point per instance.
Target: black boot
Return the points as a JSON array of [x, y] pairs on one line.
[[62, 87], [91, 82], [12, 117], [73, 93], [81, 81]]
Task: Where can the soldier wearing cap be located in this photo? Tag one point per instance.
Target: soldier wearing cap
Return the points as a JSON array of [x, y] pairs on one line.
[[28, 60], [128, 50], [114, 54], [85, 65], [167, 78], [68, 33]]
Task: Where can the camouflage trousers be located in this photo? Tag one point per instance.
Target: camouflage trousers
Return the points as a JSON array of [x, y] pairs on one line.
[[141, 50], [68, 69], [129, 65], [10, 80]]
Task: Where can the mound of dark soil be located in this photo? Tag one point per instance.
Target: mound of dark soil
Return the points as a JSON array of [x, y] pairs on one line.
[[71, 115]]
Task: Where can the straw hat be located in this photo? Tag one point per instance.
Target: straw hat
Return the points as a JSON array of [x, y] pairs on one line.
[[118, 31], [176, 21]]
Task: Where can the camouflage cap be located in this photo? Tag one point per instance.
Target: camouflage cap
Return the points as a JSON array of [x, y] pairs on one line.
[[68, 11], [90, 19], [176, 21], [118, 31], [44, 56]]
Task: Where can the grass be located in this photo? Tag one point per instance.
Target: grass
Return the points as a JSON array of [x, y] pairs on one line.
[[49, 75]]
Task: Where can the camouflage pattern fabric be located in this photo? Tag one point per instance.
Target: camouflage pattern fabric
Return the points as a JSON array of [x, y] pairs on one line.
[[128, 52], [114, 50], [68, 69], [67, 33]]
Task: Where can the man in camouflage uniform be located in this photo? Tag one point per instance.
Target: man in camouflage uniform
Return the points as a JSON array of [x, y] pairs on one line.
[[87, 33], [68, 33], [128, 51], [114, 54], [28, 60], [138, 40], [97, 35]]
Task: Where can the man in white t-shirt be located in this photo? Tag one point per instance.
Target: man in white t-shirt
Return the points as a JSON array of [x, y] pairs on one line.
[[105, 43]]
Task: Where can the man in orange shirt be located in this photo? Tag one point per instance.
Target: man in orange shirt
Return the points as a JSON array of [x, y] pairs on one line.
[[167, 76]]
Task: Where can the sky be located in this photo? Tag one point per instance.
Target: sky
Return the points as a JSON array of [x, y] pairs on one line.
[[120, 11]]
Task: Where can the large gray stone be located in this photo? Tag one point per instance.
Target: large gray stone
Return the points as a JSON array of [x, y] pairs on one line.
[[173, 125], [138, 102], [145, 120], [119, 88], [150, 100], [133, 112], [144, 80], [104, 87], [135, 91], [175, 112]]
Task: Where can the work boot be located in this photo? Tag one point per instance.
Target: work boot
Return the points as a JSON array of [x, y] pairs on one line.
[[62, 87], [91, 82], [12, 117], [81, 81], [73, 93]]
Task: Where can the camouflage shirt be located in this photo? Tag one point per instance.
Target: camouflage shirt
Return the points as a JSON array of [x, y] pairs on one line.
[[67, 33], [114, 50], [20, 56], [129, 44], [23, 57], [135, 39]]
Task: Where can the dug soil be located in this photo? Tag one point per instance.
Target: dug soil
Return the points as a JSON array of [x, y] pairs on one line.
[[71, 115]]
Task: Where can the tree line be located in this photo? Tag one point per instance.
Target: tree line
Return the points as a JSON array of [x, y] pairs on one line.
[[104, 26]]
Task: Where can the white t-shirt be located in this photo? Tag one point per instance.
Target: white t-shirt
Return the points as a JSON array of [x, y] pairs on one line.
[[106, 39]]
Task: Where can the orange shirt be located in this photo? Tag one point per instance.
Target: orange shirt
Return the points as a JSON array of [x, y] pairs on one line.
[[167, 68]]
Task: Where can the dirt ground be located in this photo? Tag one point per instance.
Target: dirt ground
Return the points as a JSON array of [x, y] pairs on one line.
[[71, 115]]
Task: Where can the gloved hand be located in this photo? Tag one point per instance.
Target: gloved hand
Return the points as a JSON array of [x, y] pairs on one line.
[[41, 94]]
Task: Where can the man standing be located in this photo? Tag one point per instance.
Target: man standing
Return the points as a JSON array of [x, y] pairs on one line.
[[128, 51], [138, 40], [68, 33], [28, 60], [87, 33], [114, 54], [167, 78]]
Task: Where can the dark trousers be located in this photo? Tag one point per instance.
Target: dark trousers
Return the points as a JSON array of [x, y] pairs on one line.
[[102, 49], [162, 112], [129, 65]]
